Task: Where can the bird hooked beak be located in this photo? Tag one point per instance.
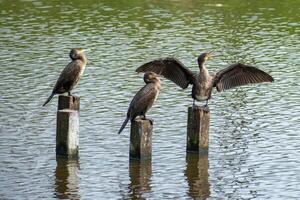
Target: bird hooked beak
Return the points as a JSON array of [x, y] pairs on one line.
[[84, 50], [209, 54]]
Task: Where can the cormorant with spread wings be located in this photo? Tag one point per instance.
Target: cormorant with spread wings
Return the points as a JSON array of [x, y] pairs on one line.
[[235, 75]]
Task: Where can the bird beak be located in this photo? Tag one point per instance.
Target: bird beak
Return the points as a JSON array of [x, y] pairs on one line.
[[209, 53], [84, 50], [159, 76]]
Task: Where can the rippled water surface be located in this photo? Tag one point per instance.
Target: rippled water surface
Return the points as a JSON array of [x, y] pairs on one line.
[[254, 132]]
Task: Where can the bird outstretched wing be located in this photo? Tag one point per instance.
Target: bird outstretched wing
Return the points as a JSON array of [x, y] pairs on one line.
[[239, 74], [170, 68]]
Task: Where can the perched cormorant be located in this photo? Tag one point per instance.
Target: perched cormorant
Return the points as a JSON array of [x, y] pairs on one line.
[[235, 75], [71, 74], [144, 99]]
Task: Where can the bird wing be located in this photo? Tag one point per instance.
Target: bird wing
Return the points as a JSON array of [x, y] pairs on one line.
[[170, 68], [239, 74], [142, 101], [68, 77]]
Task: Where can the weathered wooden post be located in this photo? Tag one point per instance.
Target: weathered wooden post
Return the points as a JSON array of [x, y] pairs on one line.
[[68, 102], [197, 129], [141, 139], [67, 126]]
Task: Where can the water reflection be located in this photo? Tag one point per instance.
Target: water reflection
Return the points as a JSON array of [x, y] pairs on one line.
[[66, 179], [197, 176], [235, 141], [140, 179]]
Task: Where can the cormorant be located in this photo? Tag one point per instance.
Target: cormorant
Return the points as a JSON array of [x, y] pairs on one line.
[[71, 74], [144, 99], [235, 75]]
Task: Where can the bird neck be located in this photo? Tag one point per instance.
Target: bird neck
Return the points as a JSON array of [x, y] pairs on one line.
[[155, 81], [204, 74], [81, 57], [201, 66]]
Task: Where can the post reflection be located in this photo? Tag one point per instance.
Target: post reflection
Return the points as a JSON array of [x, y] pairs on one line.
[[66, 179], [140, 176], [197, 176]]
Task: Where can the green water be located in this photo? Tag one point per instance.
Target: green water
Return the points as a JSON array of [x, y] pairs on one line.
[[254, 131]]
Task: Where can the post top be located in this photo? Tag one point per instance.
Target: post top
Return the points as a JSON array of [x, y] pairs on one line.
[[68, 102], [67, 110], [68, 96], [200, 108], [141, 120]]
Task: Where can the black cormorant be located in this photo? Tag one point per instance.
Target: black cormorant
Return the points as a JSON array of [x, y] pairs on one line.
[[144, 99], [235, 75], [71, 74]]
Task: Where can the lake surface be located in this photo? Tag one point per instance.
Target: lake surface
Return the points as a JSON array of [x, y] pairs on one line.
[[254, 143]]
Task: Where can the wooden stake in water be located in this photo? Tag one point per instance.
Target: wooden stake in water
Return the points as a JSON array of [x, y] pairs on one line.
[[67, 126], [141, 139], [68, 102], [198, 129]]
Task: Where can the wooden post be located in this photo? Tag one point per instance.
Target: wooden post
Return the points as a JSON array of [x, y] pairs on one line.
[[68, 102], [197, 129], [141, 139], [67, 126]]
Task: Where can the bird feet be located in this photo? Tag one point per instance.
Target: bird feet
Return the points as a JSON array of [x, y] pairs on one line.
[[205, 107], [141, 117], [144, 118]]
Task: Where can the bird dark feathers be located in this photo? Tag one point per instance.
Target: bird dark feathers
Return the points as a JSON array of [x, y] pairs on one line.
[[203, 82], [239, 74], [142, 101], [170, 68], [68, 77]]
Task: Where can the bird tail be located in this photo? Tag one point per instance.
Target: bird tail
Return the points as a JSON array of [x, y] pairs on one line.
[[123, 125], [49, 99]]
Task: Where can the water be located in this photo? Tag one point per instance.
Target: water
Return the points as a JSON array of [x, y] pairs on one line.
[[254, 134]]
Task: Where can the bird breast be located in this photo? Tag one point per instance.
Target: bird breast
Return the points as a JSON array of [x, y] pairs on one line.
[[82, 68], [157, 88], [202, 87]]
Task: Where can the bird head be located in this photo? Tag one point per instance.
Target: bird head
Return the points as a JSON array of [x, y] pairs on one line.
[[150, 77], [77, 53], [203, 57]]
